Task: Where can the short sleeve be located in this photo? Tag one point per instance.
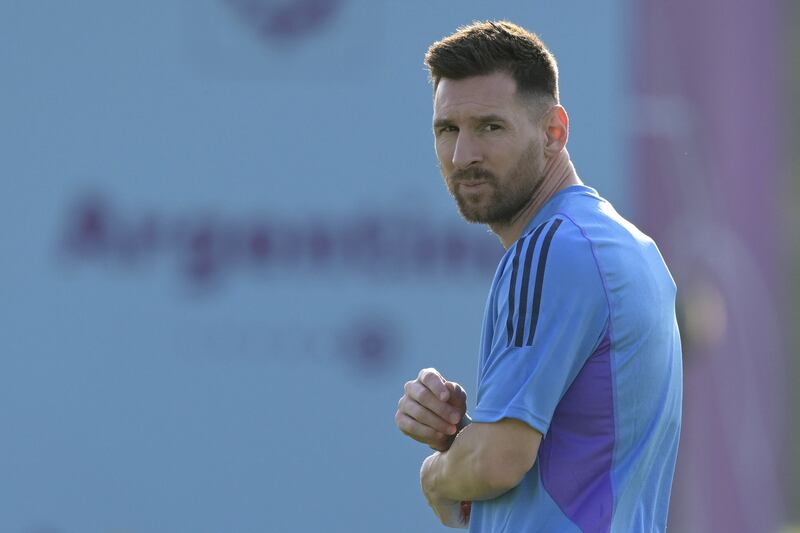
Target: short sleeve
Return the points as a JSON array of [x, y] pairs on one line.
[[550, 312]]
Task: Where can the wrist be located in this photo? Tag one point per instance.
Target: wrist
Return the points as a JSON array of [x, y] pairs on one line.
[[464, 422]]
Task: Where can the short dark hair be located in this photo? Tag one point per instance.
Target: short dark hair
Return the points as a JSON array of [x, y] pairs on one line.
[[495, 46]]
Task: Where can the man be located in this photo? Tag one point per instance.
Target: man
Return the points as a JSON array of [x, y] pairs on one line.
[[578, 406]]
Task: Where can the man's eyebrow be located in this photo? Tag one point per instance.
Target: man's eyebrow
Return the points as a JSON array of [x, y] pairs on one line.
[[482, 119], [441, 123]]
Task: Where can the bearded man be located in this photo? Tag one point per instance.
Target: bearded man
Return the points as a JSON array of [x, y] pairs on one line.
[[578, 407]]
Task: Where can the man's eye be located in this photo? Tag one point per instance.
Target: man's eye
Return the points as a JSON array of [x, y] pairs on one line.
[[491, 127], [448, 129]]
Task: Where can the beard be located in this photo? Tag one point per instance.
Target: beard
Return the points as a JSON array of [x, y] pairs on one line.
[[498, 201]]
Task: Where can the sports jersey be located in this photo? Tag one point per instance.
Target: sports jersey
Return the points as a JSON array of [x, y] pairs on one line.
[[580, 341]]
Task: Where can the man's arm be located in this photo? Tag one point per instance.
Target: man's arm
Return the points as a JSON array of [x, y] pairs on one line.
[[485, 461]]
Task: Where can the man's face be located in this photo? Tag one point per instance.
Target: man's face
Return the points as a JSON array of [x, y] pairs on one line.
[[490, 150]]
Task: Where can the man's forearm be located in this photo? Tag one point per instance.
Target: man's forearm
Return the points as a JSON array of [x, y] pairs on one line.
[[465, 471]]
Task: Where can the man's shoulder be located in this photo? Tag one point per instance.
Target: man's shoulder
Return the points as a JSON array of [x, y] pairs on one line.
[[560, 236], [615, 242], [626, 257], [556, 252]]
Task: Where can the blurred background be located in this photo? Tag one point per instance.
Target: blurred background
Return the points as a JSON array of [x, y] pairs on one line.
[[226, 246]]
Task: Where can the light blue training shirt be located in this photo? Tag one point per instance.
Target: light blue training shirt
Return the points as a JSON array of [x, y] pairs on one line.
[[580, 341]]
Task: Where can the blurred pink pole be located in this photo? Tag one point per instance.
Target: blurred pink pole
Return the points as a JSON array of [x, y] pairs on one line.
[[709, 173]]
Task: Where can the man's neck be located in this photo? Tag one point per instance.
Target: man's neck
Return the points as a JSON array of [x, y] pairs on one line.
[[558, 175]]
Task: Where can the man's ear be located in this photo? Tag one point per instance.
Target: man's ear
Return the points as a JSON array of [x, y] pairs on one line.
[[557, 130]]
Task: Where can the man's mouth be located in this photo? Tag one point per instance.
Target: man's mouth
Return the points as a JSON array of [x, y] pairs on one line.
[[471, 185]]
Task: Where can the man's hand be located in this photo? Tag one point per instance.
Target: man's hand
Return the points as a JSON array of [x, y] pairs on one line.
[[450, 513], [431, 410]]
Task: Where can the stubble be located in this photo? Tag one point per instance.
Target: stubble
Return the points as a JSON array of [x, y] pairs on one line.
[[499, 200]]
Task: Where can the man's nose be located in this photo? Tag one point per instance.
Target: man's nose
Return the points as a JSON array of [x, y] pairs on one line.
[[467, 151]]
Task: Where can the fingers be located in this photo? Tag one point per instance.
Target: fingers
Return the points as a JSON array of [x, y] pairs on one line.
[[426, 417], [421, 433], [423, 395], [431, 409], [434, 381]]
